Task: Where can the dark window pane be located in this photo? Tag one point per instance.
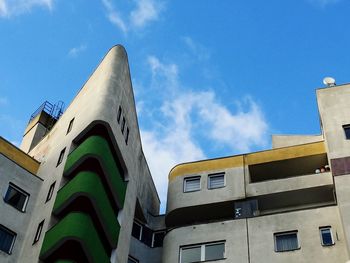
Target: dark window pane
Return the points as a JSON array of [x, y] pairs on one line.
[[286, 242], [147, 236], [70, 126], [158, 239], [347, 131], [136, 230], [16, 198], [189, 255], [326, 237], [119, 114], [6, 239], [132, 260], [216, 251]]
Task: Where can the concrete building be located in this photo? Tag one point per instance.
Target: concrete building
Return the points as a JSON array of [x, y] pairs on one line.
[[79, 189]]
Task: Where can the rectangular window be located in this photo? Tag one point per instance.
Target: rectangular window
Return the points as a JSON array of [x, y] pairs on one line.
[[70, 126], [286, 241], [119, 114], [202, 252], [7, 239], [127, 135], [60, 158], [192, 184], [216, 181], [16, 197], [123, 125], [50, 193], [326, 236], [38, 232], [157, 239], [347, 131], [132, 260], [137, 230]]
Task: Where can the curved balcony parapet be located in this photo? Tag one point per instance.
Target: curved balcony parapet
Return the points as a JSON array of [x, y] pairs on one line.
[[78, 228], [97, 147], [88, 185]]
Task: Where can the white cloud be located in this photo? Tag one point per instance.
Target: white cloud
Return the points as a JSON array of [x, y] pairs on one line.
[[9, 8], [185, 122], [75, 51], [144, 12], [324, 3], [197, 49]]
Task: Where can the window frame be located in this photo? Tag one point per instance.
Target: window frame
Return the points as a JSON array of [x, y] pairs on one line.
[[119, 114], [321, 237], [134, 260], [216, 175], [191, 178], [127, 135], [286, 233], [157, 232], [50, 192], [70, 125], [202, 247], [346, 127], [141, 229], [20, 190], [61, 157], [38, 232], [122, 127], [14, 236]]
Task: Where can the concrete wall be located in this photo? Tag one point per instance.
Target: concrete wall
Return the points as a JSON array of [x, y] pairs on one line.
[[12, 218], [279, 141]]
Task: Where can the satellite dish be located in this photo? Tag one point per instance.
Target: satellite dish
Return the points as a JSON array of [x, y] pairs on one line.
[[329, 81]]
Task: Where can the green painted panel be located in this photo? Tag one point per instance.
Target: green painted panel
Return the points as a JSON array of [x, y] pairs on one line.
[[97, 147], [89, 184], [75, 226]]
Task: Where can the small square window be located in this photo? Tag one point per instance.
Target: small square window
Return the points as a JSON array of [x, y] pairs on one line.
[[216, 181], [38, 232], [119, 114], [192, 184], [7, 239], [123, 125], [70, 126], [286, 241], [60, 158], [326, 236], [50, 193], [202, 252], [16, 197], [157, 239], [347, 131]]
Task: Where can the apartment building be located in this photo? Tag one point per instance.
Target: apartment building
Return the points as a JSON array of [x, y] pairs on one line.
[[78, 189]]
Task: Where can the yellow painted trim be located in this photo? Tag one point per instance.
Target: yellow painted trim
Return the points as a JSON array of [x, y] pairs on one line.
[[285, 153], [248, 159], [18, 156], [206, 165]]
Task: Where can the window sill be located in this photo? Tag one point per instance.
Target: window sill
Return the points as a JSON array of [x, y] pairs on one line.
[[291, 250]]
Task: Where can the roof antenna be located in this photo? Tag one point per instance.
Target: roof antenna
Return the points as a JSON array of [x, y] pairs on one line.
[[329, 82]]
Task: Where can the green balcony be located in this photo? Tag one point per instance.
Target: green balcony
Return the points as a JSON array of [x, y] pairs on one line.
[[77, 229], [89, 186], [96, 147]]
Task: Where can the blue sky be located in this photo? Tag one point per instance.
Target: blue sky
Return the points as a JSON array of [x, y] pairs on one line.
[[211, 78]]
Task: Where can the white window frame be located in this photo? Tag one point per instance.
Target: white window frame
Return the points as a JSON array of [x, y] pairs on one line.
[[141, 229], [330, 230], [133, 259], [216, 175], [154, 233], [286, 233], [202, 246], [13, 240], [23, 209], [191, 179]]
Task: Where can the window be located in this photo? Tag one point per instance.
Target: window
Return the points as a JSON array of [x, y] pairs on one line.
[[192, 184], [50, 193], [119, 114], [137, 230], [326, 236], [286, 241], [132, 260], [216, 181], [70, 126], [38, 232], [16, 197], [123, 125], [60, 158], [7, 239], [347, 131], [202, 252], [127, 135], [157, 239]]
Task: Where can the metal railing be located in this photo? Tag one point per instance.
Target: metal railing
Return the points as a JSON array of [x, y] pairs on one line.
[[54, 110]]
